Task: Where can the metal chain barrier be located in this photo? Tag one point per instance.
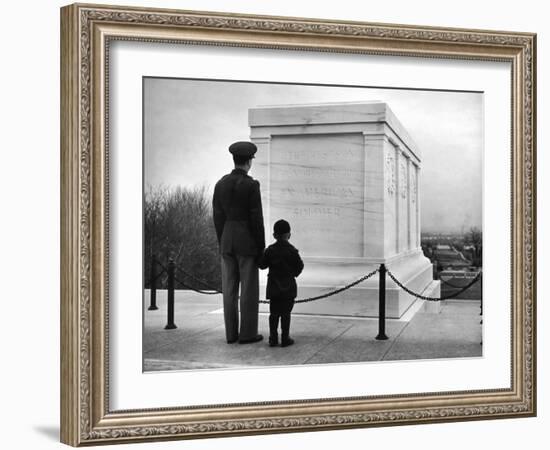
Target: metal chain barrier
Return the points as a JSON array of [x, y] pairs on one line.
[[451, 285], [199, 280], [434, 299], [303, 300], [172, 279], [334, 292], [200, 291], [213, 290]]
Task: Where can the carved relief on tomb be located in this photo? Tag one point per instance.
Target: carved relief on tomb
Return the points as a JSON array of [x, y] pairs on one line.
[[390, 172], [403, 178], [412, 181]]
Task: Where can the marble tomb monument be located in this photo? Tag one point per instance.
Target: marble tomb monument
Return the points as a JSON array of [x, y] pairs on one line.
[[346, 176]]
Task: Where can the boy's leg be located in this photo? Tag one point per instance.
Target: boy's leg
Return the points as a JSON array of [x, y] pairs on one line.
[[273, 324], [274, 315], [285, 322]]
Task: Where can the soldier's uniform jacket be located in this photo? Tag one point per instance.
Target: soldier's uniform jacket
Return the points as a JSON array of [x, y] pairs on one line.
[[238, 215], [285, 265]]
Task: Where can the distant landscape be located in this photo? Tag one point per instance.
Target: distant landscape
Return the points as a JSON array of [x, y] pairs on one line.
[[457, 257]]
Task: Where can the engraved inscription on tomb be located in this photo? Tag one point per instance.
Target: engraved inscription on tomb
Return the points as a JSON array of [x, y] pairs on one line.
[[317, 184]]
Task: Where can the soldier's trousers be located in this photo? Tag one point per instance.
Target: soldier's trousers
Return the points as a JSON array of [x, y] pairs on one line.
[[243, 270]]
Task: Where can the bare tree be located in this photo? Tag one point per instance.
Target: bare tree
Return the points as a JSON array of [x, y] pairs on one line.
[[178, 224]]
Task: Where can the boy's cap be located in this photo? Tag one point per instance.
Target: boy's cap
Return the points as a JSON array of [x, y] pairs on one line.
[[281, 227]]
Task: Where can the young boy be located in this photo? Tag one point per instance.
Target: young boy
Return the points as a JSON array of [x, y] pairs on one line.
[[285, 265]]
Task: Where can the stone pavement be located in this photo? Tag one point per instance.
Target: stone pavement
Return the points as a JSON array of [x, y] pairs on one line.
[[199, 340]]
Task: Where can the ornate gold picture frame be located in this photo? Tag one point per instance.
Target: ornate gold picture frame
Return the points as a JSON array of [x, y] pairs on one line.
[[87, 32]]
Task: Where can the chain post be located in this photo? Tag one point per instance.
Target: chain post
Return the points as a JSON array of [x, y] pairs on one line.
[[382, 303], [153, 285], [171, 272]]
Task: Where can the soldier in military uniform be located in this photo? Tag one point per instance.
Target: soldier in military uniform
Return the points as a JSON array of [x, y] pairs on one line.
[[239, 223]]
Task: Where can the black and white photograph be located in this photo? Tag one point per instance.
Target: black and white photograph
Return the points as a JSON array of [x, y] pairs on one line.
[[268, 225], [295, 224]]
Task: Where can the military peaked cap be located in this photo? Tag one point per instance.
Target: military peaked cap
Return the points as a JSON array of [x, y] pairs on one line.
[[243, 148]]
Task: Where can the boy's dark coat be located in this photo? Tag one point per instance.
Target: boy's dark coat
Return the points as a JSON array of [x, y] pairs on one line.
[[285, 265]]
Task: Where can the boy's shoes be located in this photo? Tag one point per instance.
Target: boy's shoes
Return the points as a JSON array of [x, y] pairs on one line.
[[273, 341], [232, 341], [286, 342], [256, 338]]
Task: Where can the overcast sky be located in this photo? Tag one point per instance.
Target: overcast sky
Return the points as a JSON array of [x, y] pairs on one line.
[[188, 125]]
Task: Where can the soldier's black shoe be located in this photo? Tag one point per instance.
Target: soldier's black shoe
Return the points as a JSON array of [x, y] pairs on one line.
[[256, 338], [273, 341], [286, 342], [232, 341]]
